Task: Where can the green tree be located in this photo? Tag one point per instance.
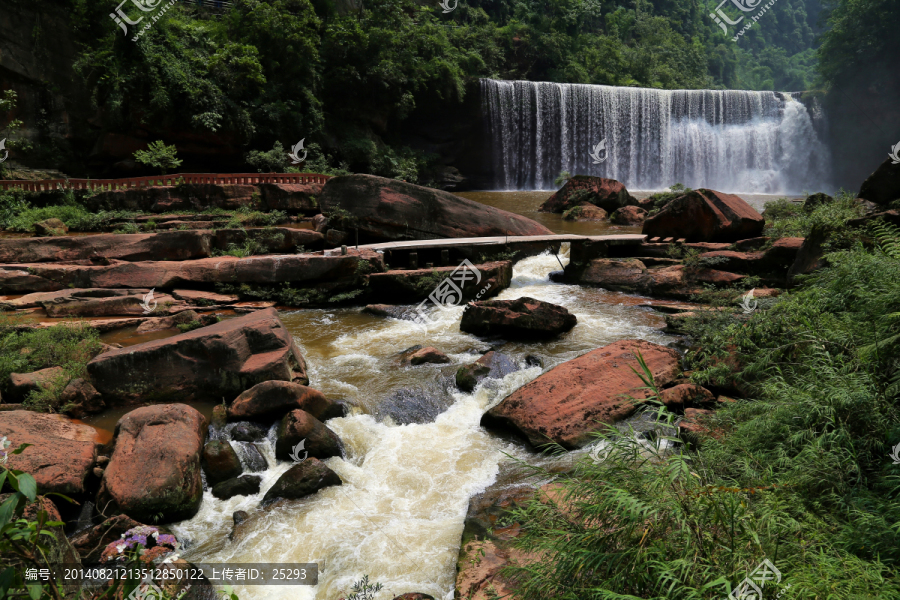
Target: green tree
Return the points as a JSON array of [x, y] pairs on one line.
[[159, 156], [10, 133]]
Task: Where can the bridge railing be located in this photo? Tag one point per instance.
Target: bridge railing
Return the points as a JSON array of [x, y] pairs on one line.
[[162, 180]]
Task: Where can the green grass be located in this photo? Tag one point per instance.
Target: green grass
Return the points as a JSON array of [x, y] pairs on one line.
[[799, 472], [17, 214], [68, 346]]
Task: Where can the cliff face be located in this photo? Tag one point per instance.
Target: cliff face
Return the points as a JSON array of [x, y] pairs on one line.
[[37, 50], [455, 133], [862, 119]]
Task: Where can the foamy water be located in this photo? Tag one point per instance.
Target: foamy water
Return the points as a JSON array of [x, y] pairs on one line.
[[399, 515]]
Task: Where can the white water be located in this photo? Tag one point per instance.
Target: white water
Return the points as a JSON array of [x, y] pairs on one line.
[[730, 140], [399, 515]]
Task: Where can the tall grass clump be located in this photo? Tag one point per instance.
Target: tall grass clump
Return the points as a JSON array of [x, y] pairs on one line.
[[797, 472]]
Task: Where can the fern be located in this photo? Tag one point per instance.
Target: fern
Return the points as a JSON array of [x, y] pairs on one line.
[[887, 236]]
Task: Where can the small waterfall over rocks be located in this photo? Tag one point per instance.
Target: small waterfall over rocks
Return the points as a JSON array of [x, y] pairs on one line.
[[729, 140]]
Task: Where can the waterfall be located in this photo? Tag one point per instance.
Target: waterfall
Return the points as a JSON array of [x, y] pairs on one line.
[[729, 140]]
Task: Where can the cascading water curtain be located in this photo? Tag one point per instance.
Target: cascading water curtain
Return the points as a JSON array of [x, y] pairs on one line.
[[729, 140]]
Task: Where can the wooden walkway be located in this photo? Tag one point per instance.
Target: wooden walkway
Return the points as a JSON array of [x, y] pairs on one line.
[[500, 240]]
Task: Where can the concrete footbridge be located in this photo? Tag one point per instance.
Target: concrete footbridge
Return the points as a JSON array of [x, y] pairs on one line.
[[413, 254]]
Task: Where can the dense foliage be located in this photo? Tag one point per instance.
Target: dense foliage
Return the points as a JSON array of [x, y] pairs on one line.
[[799, 472], [278, 70]]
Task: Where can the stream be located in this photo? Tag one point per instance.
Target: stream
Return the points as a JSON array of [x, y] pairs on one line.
[[414, 450]]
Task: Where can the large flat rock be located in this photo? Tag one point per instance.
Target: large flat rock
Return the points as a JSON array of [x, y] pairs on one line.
[[213, 362], [572, 400], [387, 209], [169, 245], [269, 269], [62, 452]]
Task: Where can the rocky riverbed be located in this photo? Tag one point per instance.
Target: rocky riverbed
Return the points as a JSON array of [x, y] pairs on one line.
[[373, 440]]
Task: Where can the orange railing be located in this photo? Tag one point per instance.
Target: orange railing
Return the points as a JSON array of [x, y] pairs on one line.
[[155, 180]]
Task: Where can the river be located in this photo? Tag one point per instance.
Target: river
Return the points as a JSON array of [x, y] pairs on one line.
[[399, 515]]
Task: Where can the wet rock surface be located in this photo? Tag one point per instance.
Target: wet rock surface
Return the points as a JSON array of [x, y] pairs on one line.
[[248, 432], [245, 485], [420, 355], [220, 462], [301, 480], [300, 433], [491, 365], [523, 318], [271, 400]]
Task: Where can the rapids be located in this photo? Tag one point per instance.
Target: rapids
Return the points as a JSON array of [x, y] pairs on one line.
[[399, 515]]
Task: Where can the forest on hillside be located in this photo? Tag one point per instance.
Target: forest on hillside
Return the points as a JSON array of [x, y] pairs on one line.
[[344, 77]]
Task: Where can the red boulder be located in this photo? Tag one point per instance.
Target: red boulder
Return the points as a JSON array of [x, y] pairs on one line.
[[706, 216], [607, 194], [572, 400], [208, 363], [271, 400], [523, 318], [61, 454], [155, 468], [628, 215], [386, 209]]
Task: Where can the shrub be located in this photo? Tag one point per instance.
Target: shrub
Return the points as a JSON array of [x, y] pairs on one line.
[[159, 156]]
